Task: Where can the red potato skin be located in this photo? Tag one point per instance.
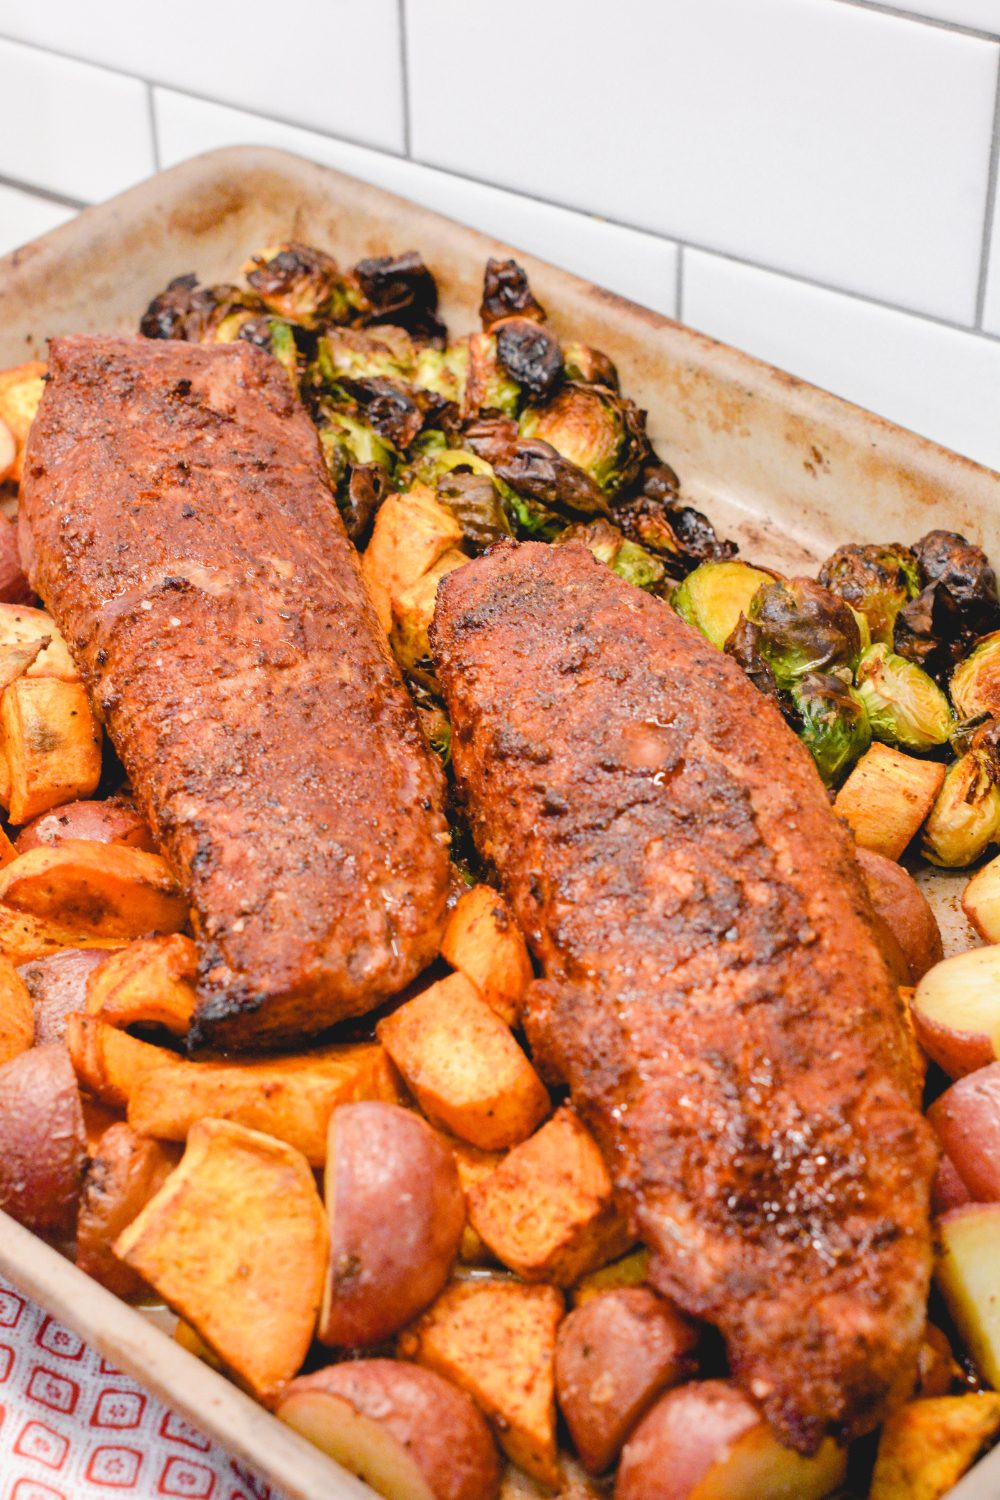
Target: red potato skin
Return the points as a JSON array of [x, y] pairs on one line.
[[948, 1190], [125, 1172], [904, 912], [58, 987], [966, 1119], [397, 1212], [614, 1356], [14, 587], [443, 1431], [680, 1440], [115, 821], [42, 1141]]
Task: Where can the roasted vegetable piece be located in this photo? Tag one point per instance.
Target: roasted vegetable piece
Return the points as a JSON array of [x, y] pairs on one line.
[[530, 354], [496, 1340], [958, 603], [926, 1446], [17, 1014], [475, 502], [965, 818], [149, 983], [488, 386], [886, 798], [303, 285], [506, 293], [581, 362], [631, 1270], [367, 487], [42, 1142], [412, 532], [483, 941], [399, 289], [800, 627], [58, 988], [906, 708], [981, 901], [20, 392], [966, 1274], [715, 594], [443, 371], [677, 533], [354, 354], [948, 559], [832, 724], [109, 890], [877, 581], [538, 473], [346, 439], [250, 1283], [599, 431], [905, 910], [123, 1174], [956, 1011], [975, 682], [410, 1434], [113, 821], [184, 310], [413, 610], [51, 744], [624, 557]]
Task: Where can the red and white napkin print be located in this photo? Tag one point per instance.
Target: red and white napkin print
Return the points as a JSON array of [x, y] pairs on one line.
[[72, 1427]]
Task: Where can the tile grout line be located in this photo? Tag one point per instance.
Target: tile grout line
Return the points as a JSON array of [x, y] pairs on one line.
[[45, 193], [679, 285], [153, 125], [938, 23], [991, 198], [405, 75]]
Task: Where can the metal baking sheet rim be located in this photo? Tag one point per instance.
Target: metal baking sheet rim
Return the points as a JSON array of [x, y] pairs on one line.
[[787, 464]]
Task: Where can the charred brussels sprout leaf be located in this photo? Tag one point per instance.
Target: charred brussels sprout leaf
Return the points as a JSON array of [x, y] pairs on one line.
[[347, 440], [602, 433], [352, 354], [875, 581], [677, 533], [905, 707], [958, 602], [589, 366], [948, 559], [491, 438], [400, 289], [623, 557], [488, 387], [272, 334], [367, 487], [801, 627], [965, 819], [744, 647], [536, 471], [975, 683], [474, 501], [303, 285], [530, 354], [716, 594], [193, 313], [832, 724], [506, 294], [390, 409]]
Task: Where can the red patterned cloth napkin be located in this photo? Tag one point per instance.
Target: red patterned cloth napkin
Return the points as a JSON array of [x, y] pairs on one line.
[[72, 1427]]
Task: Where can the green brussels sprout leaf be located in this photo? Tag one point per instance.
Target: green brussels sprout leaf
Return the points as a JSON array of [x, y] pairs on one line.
[[905, 706]]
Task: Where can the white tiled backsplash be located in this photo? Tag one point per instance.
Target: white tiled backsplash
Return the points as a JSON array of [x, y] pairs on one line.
[[812, 180]]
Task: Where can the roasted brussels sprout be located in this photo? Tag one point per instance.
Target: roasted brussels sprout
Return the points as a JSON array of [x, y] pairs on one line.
[[948, 559], [602, 433], [367, 486], [590, 366], [716, 594], [492, 438], [537, 472], [443, 371], [272, 334], [389, 408], [906, 708], [304, 285], [352, 354], [680, 535], [975, 682], [530, 354], [347, 440], [797, 626], [958, 603], [475, 502], [876, 581], [185, 310], [488, 387], [832, 723], [400, 289], [965, 819], [623, 557], [506, 294]]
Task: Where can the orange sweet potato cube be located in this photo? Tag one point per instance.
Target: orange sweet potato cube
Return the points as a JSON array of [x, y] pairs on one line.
[[17, 1013], [484, 943], [51, 745], [464, 1068], [148, 983]]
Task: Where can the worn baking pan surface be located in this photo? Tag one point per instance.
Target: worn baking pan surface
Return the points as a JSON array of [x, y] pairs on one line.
[[787, 469]]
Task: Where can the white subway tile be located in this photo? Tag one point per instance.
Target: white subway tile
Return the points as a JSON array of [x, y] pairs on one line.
[[24, 216], [821, 138], [636, 265], [73, 129], [981, 15], [991, 304], [330, 64], [938, 381]]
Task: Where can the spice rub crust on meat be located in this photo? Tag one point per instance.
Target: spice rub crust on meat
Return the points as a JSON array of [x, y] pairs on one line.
[[179, 527], [713, 991]]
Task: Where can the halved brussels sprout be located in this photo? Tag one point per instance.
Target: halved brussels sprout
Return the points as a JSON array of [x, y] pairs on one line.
[[530, 354], [184, 310], [832, 724], [398, 289], [716, 594], [965, 819], [975, 683], [798, 627], [877, 581], [346, 440], [963, 568], [589, 366], [957, 604], [906, 708], [304, 285], [366, 488], [680, 535], [272, 334], [623, 557], [353, 354], [488, 387], [506, 294], [475, 502], [599, 431], [443, 371], [535, 471]]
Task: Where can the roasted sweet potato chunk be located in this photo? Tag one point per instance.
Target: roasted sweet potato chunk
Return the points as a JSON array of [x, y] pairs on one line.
[[20, 392], [105, 889], [17, 1013], [548, 1211], [291, 1098], [474, 1166], [466, 1070], [21, 625], [887, 797], [496, 1340], [125, 1171], [927, 1446], [109, 1062], [236, 1242], [149, 983], [23, 937], [484, 943], [411, 533], [51, 745]]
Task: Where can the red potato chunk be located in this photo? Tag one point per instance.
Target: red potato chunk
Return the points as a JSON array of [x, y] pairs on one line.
[[410, 1434], [904, 909], [58, 988], [966, 1119], [396, 1213], [125, 1172], [14, 587], [956, 1011], [115, 821], [614, 1356], [42, 1140]]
